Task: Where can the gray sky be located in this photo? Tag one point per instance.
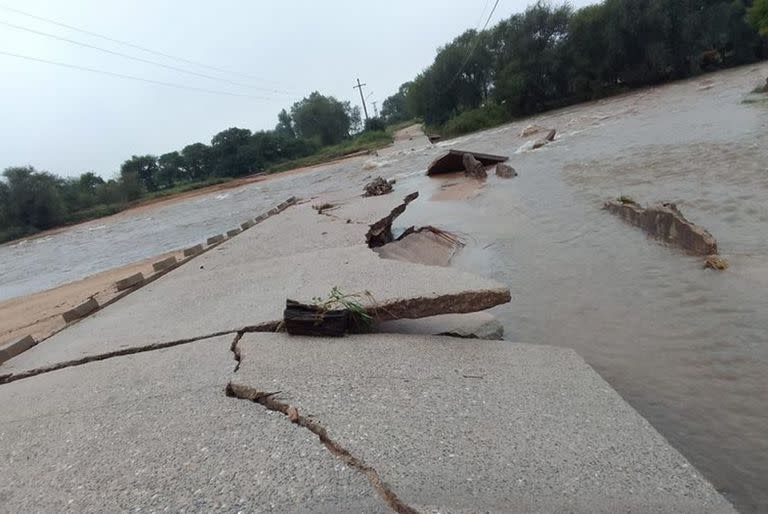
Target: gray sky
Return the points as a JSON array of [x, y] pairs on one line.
[[68, 121]]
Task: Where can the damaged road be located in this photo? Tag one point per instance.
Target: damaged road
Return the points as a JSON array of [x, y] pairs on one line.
[[155, 431], [242, 285], [428, 413]]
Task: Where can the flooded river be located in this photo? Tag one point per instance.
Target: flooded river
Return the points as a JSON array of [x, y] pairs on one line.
[[687, 347]]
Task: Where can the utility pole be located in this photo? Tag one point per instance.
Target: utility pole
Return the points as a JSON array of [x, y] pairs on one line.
[[360, 87], [375, 109]]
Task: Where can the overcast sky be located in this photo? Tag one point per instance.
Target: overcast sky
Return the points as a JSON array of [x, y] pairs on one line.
[[69, 121]]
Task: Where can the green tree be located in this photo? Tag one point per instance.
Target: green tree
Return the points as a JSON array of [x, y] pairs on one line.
[[170, 169], [323, 118], [394, 109], [197, 160], [225, 146], [145, 167], [284, 125], [758, 16], [33, 199]]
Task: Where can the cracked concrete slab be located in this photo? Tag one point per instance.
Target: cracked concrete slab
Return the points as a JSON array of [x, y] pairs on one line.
[[455, 426], [153, 432], [244, 282]]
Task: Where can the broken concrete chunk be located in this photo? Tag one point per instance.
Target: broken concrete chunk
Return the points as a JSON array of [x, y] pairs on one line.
[[81, 310], [530, 130], [665, 223], [194, 250], [377, 187], [12, 349], [164, 264], [233, 232], [453, 161], [215, 239], [472, 167], [128, 282], [427, 245], [505, 171], [380, 232]]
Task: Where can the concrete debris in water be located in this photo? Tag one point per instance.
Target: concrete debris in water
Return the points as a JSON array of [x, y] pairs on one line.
[[380, 233], [472, 167], [505, 171], [377, 187], [531, 130], [453, 161], [665, 223], [427, 245], [716, 262], [547, 139]]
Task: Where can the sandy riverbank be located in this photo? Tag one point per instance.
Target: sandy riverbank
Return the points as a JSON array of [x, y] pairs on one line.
[[39, 314]]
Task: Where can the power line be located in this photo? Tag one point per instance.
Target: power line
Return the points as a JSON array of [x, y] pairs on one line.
[[131, 77], [129, 44], [474, 44], [139, 59]]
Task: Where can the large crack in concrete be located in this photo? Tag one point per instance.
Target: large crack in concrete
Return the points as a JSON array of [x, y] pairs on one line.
[[380, 232], [12, 377], [268, 401]]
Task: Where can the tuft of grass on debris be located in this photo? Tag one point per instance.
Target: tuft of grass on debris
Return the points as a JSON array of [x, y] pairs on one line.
[[337, 300]]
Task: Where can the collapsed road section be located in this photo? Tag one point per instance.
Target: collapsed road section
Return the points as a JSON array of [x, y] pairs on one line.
[[242, 284]]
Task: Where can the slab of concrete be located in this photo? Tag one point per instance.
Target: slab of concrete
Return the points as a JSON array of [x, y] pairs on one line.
[[193, 250], [215, 239], [129, 282], [424, 247], [14, 348], [247, 224], [155, 432], [165, 263], [475, 325], [233, 232], [456, 426], [81, 310]]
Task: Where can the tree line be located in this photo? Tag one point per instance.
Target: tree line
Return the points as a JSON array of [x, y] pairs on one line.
[[32, 200], [550, 56]]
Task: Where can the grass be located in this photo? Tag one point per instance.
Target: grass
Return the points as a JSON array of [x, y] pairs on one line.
[[487, 116], [349, 302], [391, 129], [367, 141]]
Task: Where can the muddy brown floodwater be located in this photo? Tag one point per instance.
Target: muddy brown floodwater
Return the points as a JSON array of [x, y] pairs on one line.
[[687, 347]]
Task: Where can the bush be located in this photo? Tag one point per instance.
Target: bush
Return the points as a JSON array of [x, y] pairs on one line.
[[375, 125], [473, 120]]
